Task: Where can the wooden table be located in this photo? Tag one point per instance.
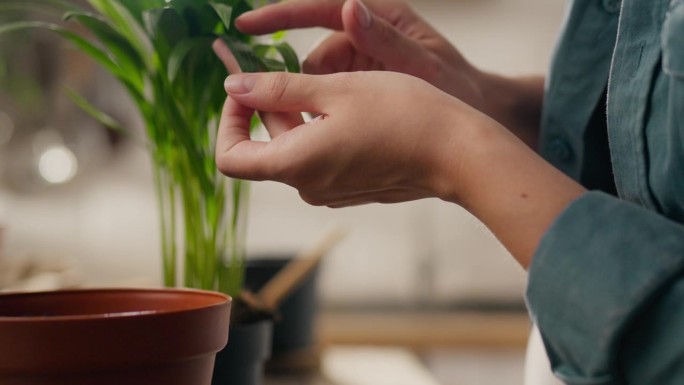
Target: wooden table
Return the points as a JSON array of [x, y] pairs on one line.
[[293, 379]]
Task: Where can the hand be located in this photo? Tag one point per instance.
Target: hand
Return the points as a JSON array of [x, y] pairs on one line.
[[380, 137], [385, 35]]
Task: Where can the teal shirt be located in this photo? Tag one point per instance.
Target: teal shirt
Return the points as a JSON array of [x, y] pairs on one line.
[[606, 285]]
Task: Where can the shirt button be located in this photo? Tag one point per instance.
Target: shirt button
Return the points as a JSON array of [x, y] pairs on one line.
[[561, 150], [612, 6]]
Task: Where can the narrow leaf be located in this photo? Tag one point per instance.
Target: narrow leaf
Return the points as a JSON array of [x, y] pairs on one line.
[[32, 5], [244, 54], [181, 52], [81, 43], [120, 48], [165, 23], [225, 12], [289, 57], [94, 112], [126, 25], [273, 65], [138, 7]]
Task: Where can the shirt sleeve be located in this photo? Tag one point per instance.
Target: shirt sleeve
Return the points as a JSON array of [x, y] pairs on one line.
[[606, 289]]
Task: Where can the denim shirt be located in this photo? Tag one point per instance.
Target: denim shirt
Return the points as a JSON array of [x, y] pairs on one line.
[[606, 284]]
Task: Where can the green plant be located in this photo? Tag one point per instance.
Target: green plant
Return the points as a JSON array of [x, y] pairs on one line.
[[160, 52]]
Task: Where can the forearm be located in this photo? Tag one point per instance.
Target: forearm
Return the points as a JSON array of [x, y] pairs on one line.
[[515, 102], [513, 191]]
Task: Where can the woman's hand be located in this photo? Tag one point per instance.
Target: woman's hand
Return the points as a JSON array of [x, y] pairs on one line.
[[380, 136], [384, 35], [389, 35], [388, 137]]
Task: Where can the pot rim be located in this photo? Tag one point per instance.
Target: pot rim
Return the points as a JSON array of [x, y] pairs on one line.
[[221, 300]]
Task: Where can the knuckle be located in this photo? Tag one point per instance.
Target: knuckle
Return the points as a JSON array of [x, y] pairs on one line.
[[278, 86], [223, 165], [312, 199]]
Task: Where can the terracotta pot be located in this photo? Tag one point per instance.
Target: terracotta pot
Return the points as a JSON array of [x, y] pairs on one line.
[[108, 337]]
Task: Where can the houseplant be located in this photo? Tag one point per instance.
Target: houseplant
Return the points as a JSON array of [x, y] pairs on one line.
[[160, 52]]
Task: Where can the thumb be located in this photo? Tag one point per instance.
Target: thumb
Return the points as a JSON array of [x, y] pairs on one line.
[[377, 38], [281, 91]]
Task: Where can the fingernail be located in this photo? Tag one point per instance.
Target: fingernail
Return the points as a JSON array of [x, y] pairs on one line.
[[363, 15], [240, 84]]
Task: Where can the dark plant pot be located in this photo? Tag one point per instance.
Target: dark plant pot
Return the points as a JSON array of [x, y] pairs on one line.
[[242, 361], [111, 337], [294, 328]]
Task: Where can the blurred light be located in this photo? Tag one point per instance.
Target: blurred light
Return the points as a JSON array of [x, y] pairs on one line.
[[6, 128], [57, 165]]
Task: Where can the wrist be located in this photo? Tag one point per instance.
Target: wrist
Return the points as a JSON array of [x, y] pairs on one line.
[[503, 183], [514, 102]]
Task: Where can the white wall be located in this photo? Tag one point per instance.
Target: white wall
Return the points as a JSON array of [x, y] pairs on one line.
[[422, 251]]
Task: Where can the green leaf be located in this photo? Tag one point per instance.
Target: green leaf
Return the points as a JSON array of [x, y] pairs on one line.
[[94, 112], [289, 57], [273, 65], [244, 54], [225, 12], [166, 28], [279, 36], [128, 26], [81, 43], [200, 18], [138, 7], [120, 48], [32, 5], [181, 52]]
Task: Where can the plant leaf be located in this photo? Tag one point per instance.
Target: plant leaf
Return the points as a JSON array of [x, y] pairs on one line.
[[81, 43], [181, 52], [166, 23], [244, 54], [273, 65], [289, 57], [224, 12], [128, 26], [138, 7], [120, 48], [94, 112], [30, 5]]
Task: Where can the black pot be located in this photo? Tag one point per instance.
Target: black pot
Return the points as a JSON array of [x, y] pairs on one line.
[[294, 328], [242, 361]]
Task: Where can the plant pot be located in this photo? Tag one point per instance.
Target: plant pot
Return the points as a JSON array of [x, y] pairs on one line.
[[111, 337], [242, 361], [295, 326]]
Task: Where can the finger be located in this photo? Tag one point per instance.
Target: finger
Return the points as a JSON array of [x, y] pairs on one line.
[[337, 54], [284, 92], [377, 38], [330, 56], [237, 155], [226, 56], [388, 196], [291, 14], [276, 124]]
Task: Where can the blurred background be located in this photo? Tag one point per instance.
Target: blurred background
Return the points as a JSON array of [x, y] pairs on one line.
[[79, 202]]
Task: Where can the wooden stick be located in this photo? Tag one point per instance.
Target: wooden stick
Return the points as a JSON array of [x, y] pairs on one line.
[[295, 271]]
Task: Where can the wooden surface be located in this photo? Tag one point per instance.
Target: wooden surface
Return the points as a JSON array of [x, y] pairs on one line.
[[292, 379], [418, 330], [413, 332]]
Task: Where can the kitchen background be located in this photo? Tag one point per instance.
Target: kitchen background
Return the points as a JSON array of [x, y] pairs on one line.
[[102, 220]]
